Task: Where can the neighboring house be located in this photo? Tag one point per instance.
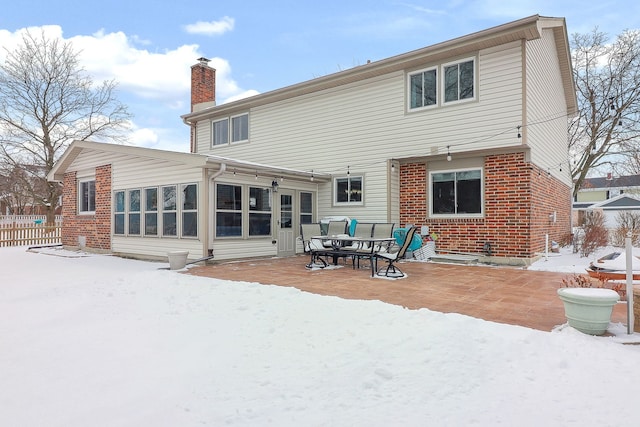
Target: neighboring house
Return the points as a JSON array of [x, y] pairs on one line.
[[610, 195], [467, 137], [611, 208], [594, 190]]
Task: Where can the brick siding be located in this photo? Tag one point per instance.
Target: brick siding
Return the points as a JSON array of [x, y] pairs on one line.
[[95, 228], [519, 199]]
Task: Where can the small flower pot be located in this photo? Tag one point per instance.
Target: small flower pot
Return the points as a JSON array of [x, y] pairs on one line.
[[588, 309], [177, 259]]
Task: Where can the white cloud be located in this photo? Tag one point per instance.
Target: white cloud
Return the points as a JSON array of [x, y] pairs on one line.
[[212, 28], [163, 76], [155, 84]]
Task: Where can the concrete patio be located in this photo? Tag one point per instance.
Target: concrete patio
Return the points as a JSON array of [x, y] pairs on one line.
[[500, 294]]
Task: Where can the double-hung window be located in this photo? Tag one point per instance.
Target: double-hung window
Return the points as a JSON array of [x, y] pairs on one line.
[[220, 130], [259, 211], [459, 80], [190, 210], [240, 128], [134, 212], [423, 88], [169, 211], [456, 193], [239, 131], [151, 211], [348, 190], [228, 210], [87, 196], [118, 212]]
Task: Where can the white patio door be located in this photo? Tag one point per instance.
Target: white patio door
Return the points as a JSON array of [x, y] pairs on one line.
[[286, 223]]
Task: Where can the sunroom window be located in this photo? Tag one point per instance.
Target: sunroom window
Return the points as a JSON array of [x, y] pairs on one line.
[[228, 210], [259, 211]]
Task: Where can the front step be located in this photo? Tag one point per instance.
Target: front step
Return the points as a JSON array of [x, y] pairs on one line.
[[455, 258]]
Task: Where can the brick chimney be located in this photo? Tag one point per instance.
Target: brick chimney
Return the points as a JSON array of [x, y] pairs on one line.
[[203, 85], [203, 92]]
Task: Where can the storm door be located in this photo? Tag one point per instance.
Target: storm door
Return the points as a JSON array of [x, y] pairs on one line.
[[286, 223]]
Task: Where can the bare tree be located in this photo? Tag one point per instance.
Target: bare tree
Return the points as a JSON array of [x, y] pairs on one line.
[[608, 83], [47, 100]]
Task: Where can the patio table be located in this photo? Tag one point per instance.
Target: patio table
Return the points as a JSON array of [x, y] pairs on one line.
[[364, 246]]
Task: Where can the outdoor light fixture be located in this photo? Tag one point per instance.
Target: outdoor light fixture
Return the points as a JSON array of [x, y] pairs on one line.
[[448, 154], [519, 134], [274, 186]]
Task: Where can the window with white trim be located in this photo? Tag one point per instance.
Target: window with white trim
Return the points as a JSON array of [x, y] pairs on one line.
[[189, 210], [259, 211], [348, 190], [151, 211], [456, 193], [169, 211], [423, 89], [134, 212], [458, 80], [118, 212], [228, 210], [306, 207], [87, 196], [239, 130], [220, 131]]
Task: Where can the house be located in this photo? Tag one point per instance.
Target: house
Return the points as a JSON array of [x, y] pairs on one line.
[[595, 190], [610, 195], [467, 137]]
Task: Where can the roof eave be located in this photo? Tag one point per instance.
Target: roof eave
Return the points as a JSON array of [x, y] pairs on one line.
[[526, 28]]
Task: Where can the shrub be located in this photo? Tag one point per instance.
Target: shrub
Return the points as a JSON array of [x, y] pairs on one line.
[[582, 281], [595, 233], [627, 222]]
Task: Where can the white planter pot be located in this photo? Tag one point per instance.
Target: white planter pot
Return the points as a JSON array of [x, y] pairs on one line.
[[177, 259], [588, 309]]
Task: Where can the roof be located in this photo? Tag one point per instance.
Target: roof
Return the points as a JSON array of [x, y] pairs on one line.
[[189, 159], [618, 202], [527, 28], [628, 181]]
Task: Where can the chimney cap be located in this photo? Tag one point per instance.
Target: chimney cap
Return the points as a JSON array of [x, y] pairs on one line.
[[203, 60]]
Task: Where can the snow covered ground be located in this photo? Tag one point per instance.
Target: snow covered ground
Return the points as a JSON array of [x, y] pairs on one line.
[[103, 341]]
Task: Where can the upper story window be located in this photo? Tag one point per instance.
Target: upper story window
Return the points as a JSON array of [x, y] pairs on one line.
[[457, 193], [423, 88], [87, 196], [439, 85], [459, 80], [348, 190], [220, 131], [239, 130]]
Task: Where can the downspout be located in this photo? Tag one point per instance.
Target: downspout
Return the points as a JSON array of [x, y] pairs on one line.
[[210, 233]]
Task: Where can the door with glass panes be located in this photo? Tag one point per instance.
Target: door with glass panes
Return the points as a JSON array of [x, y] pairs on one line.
[[286, 223]]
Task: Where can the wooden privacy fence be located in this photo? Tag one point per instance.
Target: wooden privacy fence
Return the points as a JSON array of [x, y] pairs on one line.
[[31, 233]]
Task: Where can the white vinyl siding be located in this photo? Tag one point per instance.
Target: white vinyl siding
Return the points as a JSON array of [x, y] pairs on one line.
[[368, 121], [130, 172], [547, 130]]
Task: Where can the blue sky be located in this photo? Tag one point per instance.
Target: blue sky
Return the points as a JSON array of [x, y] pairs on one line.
[[258, 46]]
